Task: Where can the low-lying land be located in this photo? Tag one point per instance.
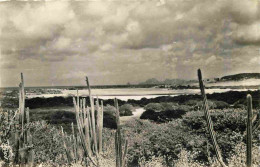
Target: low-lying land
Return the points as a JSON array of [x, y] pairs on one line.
[[172, 131]]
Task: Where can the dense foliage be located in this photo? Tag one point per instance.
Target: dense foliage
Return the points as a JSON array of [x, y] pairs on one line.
[[189, 133], [230, 98], [126, 110]]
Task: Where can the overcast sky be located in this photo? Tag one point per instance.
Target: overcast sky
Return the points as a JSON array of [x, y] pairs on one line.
[[59, 43]]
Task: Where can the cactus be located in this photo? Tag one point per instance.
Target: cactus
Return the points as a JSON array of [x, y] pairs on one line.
[[24, 153], [92, 115], [65, 146], [120, 156], [90, 127], [209, 122], [74, 143], [249, 132]]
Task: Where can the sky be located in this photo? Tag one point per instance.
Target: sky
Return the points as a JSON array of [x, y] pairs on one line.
[[115, 42]]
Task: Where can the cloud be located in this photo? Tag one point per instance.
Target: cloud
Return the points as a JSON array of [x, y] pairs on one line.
[[126, 40], [248, 34], [255, 60]]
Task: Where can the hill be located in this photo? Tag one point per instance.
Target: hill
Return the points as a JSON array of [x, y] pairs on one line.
[[154, 81], [241, 76], [151, 81]]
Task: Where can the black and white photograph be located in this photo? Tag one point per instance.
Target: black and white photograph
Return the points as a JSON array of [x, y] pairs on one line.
[[130, 83]]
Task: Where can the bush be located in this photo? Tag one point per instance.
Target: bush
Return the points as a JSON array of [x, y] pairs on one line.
[[192, 102], [149, 114], [7, 102], [169, 105], [59, 117], [234, 120], [166, 140], [126, 110], [229, 126], [189, 133], [220, 104], [241, 106], [110, 109], [65, 118], [109, 121], [213, 104], [48, 144], [154, 106], [168, 115], [163, 116]]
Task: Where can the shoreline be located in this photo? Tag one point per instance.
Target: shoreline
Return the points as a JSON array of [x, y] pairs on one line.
[[125, 94]]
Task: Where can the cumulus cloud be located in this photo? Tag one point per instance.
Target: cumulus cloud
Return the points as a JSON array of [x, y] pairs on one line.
[[128, 40]]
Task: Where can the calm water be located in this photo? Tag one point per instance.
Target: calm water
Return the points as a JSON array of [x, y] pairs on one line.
[[133, 93]]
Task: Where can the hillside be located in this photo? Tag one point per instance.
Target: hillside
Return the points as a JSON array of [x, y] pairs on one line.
[[154, 81], [241, 79], [241, 76]]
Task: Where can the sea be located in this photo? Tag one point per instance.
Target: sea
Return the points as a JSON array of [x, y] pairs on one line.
[[131, 93]]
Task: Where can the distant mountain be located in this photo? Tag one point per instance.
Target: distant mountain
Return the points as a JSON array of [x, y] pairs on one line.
[[154, 81], [151, 81], [241, 76]]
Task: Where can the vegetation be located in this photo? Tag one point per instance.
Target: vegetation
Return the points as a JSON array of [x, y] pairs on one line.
[[231, 98], [241, 76], [180, 82], [126, 110], [177, 136]]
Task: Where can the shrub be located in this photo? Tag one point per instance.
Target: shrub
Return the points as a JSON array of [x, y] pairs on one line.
[[59, 117], [233, 120], [149, 114], [154, 106], [163, 116], [65, 118], [192, 102], [188, 133], [169, 105], [150, 140], [48, 144], [168, 115], [7, 102], [185, 108], [126, 110], [109, 109], [229, 126], [109, 121], [213, 104], [241, 106], [220, 104]]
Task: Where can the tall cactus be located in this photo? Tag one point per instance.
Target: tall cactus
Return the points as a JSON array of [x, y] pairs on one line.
[[23, 138], [85, 143], [120, 155], [90, 126], [209, 121], [93, 115], [249, 131]]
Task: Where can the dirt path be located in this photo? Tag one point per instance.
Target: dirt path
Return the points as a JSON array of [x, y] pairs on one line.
[[136, 114]]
